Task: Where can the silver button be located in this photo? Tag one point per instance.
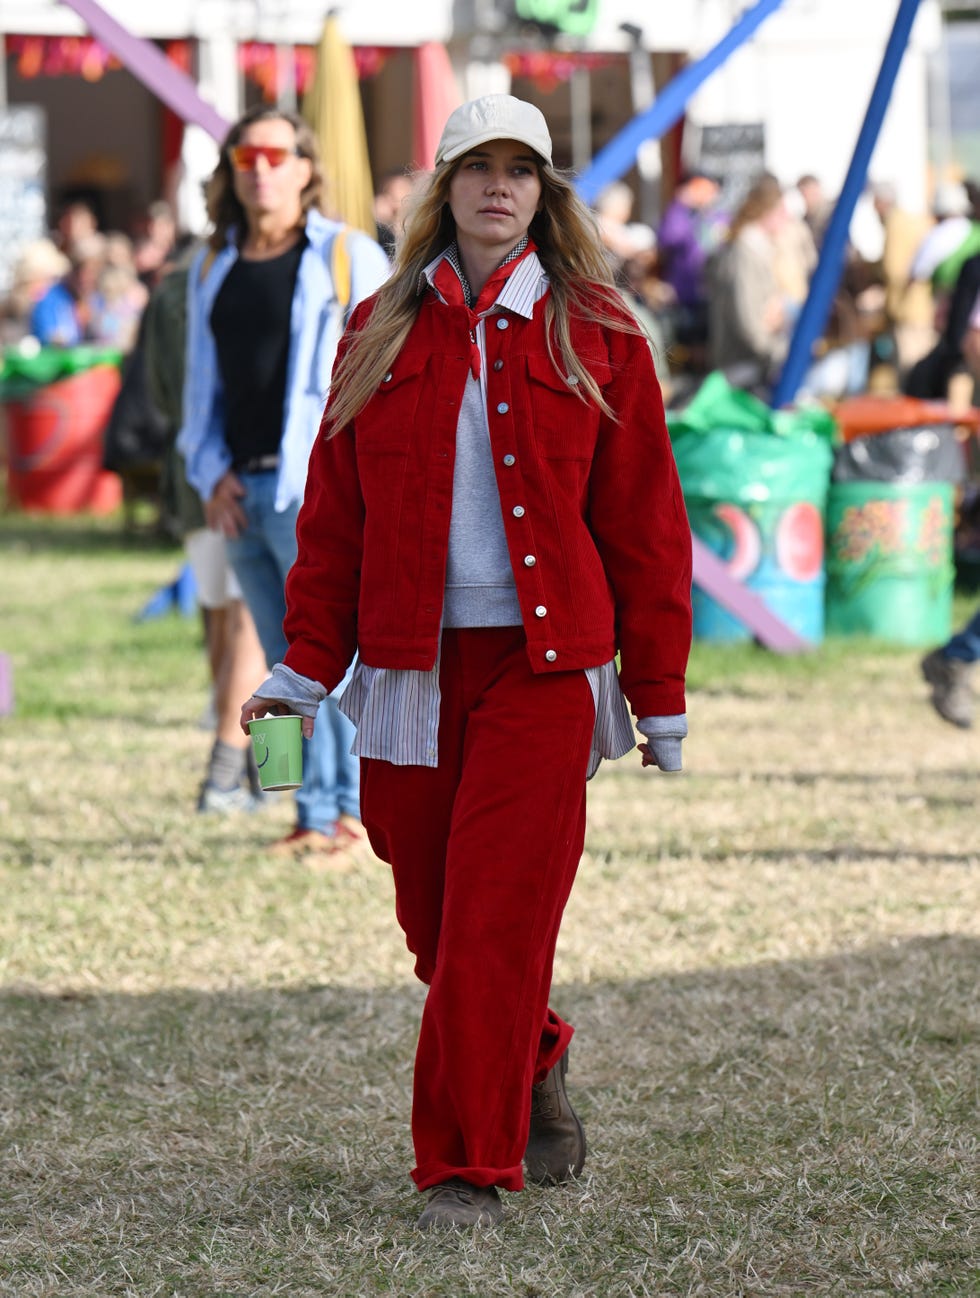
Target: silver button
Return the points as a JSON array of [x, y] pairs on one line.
[[551, 655], [518, 511], [502, 408], [509, 460], [498, 365], [387, 377], [540, 611], [502, 323], [529, 561], [572, 379]]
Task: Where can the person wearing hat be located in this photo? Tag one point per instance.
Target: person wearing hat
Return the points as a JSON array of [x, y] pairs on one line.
[[492, 514], [949, 258], [39, 266], [952, 240], [64, 316]]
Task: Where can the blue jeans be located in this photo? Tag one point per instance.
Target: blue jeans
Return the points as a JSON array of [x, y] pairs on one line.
[[261, 557], [965, 645]]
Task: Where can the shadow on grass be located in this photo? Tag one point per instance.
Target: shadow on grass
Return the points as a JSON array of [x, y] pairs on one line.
[[809, 1118], [956, 776], [79, 534], [798, 855]]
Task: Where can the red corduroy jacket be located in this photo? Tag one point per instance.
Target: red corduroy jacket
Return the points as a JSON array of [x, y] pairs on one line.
[[595, 521]]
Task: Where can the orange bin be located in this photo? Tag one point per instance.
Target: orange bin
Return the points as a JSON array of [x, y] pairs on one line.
[[863, 415]]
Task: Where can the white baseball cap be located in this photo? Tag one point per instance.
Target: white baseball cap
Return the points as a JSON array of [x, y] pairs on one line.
[[951, 199], [494, 117]]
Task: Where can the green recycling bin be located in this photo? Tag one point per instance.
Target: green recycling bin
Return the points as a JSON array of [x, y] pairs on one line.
[[890, 568], [755, 483]]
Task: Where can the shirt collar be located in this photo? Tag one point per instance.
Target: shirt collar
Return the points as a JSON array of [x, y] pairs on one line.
[[518, 294]]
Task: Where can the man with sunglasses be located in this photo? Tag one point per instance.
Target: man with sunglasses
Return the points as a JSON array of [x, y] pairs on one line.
[[268, 299]]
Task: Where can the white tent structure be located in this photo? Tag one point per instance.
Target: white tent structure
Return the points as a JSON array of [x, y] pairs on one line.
[[805, 78]]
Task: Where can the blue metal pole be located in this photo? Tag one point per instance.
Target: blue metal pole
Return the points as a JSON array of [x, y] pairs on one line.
[[826, 277], [620, 153]]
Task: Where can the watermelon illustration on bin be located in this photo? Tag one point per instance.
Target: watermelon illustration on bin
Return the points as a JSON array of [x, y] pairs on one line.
[[58, 401], [755, 484]]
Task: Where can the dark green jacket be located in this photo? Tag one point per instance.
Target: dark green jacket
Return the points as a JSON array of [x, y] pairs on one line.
[[166, 325]]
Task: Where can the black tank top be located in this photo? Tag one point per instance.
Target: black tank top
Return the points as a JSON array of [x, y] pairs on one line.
[[250, 320]]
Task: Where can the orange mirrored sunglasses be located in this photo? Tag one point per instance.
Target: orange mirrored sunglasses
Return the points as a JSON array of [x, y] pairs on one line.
[[245, 156]]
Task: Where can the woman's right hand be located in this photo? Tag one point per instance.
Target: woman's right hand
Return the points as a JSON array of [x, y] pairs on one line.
[[223, 511]]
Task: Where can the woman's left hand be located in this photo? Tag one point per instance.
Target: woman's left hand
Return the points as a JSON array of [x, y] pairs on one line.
[[255, 707], [648, 759]]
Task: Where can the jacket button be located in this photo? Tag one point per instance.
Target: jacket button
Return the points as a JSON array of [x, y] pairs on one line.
[[550, 656], [503, 323], [502, 408], [498, 365], [572, 379], [529, 561], [540, 611], [518, 511], [509, 460], [387, 377]]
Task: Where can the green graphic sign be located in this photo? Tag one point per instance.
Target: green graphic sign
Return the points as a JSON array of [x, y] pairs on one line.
[[576, 17]]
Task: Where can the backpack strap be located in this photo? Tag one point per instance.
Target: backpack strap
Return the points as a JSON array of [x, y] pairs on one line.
[[340, 268], [206, 263]]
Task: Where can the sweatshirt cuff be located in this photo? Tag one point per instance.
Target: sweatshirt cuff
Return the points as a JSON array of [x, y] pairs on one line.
[[664, 736], [283, 685]]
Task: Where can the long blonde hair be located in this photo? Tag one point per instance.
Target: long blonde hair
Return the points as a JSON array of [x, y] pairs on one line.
[[569, 249]]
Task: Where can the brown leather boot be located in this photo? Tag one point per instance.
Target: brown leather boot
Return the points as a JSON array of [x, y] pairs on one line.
[[458, 1203], [952, 696], [556, 1142]]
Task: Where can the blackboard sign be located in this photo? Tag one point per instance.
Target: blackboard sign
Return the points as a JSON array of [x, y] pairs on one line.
[[23, 174], [735, 153]]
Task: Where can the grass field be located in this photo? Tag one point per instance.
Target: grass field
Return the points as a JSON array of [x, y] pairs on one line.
[[205, 1067]]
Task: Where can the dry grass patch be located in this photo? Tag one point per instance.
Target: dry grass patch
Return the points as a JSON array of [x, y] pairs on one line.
[[206, 1064]]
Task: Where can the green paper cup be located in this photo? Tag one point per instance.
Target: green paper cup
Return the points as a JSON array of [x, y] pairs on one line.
[[277, 742]]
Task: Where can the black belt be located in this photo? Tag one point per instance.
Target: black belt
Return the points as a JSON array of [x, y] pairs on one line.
[[258, 464]]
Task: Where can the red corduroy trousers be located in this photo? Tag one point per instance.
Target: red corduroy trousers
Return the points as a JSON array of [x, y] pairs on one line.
[[484, 850]]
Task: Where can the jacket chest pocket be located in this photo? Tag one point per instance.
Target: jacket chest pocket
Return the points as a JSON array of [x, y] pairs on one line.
[[562, 425], [386, 425]]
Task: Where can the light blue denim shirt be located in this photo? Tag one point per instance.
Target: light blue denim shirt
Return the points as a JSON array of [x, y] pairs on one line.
[[317, 321]]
